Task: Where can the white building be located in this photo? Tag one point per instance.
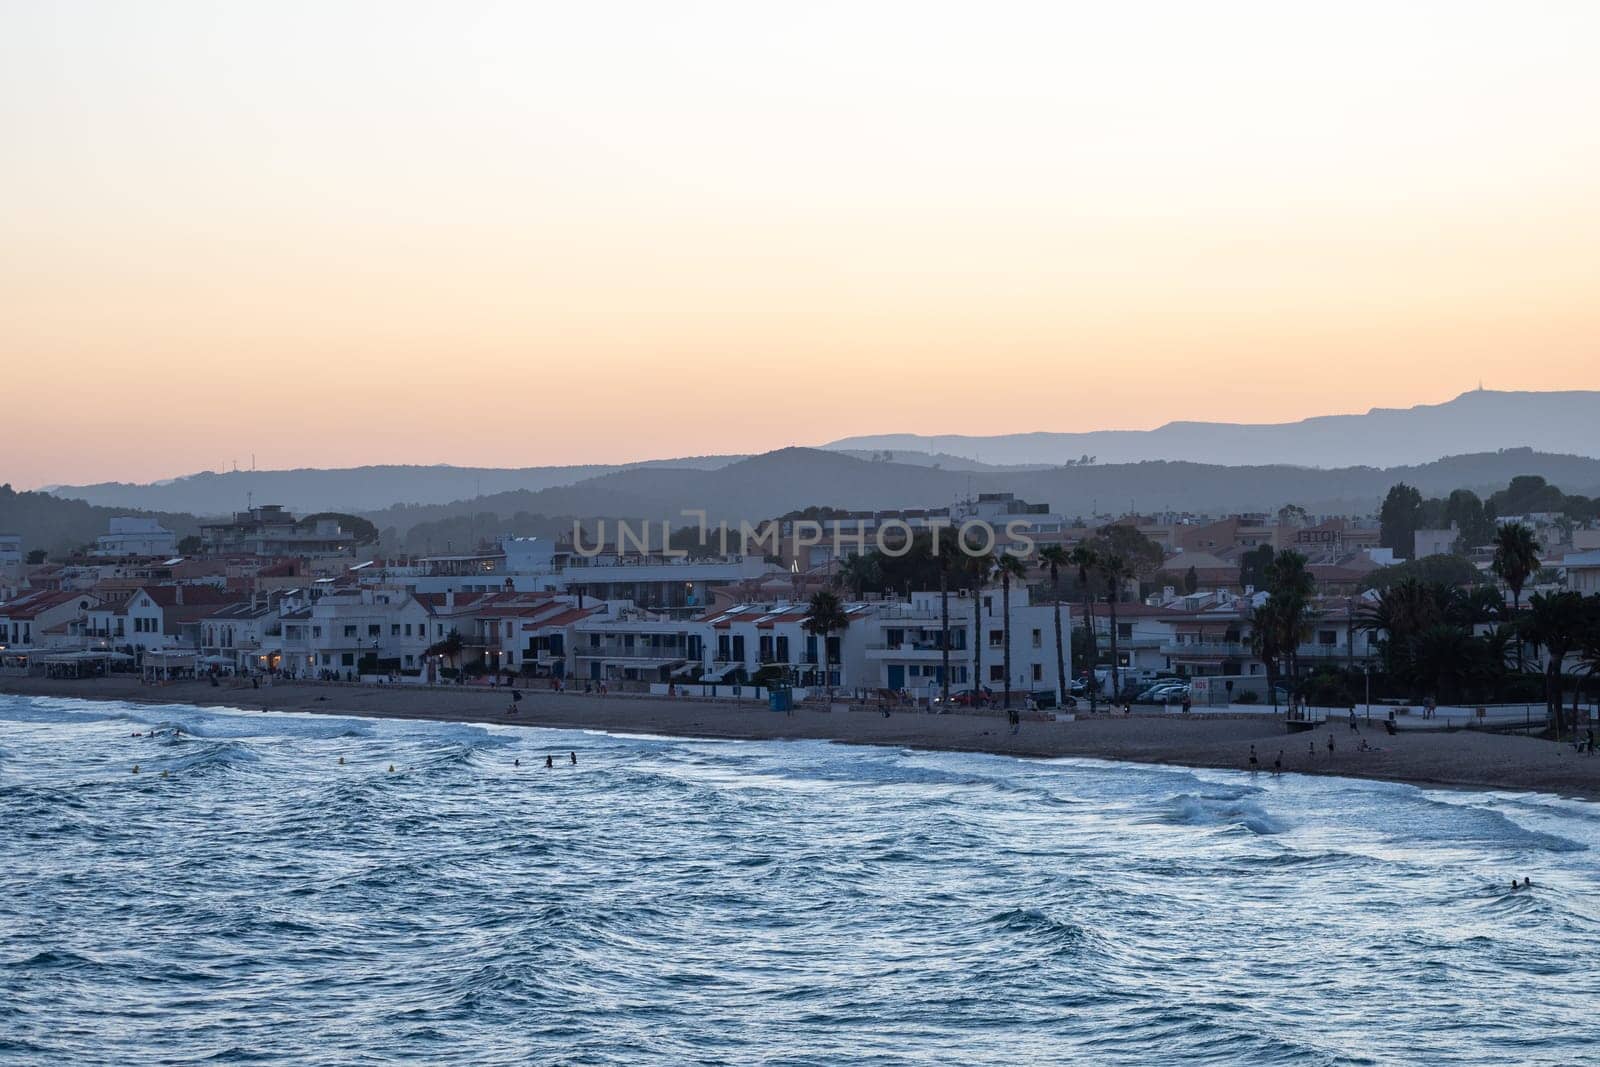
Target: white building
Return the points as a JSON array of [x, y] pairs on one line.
[[130, 535], [383, 628]]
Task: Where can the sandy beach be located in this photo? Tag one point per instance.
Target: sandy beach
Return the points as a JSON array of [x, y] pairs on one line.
[[1456, 758]]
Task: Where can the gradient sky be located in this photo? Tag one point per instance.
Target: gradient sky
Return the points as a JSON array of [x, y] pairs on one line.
[[511, 234]]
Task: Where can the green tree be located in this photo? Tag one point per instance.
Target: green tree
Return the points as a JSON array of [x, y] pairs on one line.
[[362, 530], [37, 556], [1191, 580], [858, 573], [1290, 586], [1087, 561], [450, 647], [1253, 567], [980, 570], [825, 616], [1055, 558], [1516, 557], [1399, 518], [190, 546], [1116, 571], [1007, 567], [1557, 623]]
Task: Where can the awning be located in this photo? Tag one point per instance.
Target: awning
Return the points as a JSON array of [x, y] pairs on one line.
[[717, 674], [686, 670]]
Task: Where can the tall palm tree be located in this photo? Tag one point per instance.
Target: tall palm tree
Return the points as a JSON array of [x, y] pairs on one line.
[[1264, 644], [1114, 568], [825, 616], [980, 568], [1055, 557], [949, 553], [1516, 557], [1291, 586], [1557, 623], [1008, 567], [1087, 560]]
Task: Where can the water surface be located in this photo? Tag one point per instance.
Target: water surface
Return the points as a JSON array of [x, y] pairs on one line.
[[684, 901]]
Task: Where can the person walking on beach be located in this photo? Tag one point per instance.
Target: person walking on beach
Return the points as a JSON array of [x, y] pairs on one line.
[[1277, 764], [1254, 763], [1330, 744], [1311, 750]]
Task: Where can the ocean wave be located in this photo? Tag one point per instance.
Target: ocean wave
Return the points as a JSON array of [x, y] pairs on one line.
[[1229, 809]]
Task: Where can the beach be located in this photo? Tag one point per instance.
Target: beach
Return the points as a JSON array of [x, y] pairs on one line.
[[1460, 758]]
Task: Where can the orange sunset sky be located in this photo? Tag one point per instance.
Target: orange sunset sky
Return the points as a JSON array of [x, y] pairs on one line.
[[514, 234]]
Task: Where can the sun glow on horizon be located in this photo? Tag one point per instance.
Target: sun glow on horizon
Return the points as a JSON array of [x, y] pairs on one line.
[[510, 235]]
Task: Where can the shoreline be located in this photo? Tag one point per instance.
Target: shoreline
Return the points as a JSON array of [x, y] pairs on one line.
[[1455, 759]]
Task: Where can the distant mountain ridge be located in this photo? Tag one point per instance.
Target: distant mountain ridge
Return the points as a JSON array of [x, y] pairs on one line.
[[1474, 422], [774, 483], [348, 489]]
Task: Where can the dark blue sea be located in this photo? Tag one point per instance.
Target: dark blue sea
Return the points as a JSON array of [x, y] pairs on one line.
[[248, 899]]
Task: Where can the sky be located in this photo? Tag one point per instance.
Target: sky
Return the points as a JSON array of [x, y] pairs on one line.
[[511, 234]]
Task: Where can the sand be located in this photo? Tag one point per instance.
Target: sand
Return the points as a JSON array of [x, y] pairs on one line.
[[1456, 758]]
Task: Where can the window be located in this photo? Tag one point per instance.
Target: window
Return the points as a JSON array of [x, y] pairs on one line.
[[349, 631], [347, 659], [997, 638], [374, 629], [997, 673], [316, 631], [1038, 639], [394, 629], [1125, 630], [1327, 637], [1038, 672], [408, 629]]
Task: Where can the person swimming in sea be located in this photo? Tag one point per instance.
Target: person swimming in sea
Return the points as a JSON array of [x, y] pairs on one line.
[[549, 763], [574, 756]]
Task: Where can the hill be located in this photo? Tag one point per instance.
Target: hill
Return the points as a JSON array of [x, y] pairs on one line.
[[348, 489], [1475, 422], [777, 482], [60, 526]]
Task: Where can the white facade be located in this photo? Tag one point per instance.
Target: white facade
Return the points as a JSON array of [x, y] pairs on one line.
[[341, 629], [130, 535]]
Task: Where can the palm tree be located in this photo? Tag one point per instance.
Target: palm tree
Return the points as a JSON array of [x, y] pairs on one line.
[[1291, 586], [1264, 644], [1115, 570], [1055, 557], [949, 554], [1007, 567], [1516, 557], [980, 568], [857, 573], [450, 646], [1084, 557], [825, 616], [1557, 623]]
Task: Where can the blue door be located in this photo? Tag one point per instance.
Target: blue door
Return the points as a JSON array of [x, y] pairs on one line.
[[897, 676]]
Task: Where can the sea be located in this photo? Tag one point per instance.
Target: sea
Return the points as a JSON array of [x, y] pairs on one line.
[[309, 889]]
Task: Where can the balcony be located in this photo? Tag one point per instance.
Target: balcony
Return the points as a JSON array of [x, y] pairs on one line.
[[919, 651], [1206, 650]]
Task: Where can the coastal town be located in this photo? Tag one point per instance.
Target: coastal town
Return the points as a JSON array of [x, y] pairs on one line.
[[1042, 612]]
